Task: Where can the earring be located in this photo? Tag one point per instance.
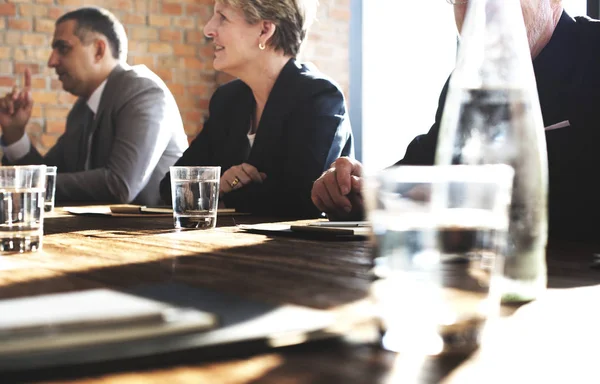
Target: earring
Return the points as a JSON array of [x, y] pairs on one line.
[[261, 46]]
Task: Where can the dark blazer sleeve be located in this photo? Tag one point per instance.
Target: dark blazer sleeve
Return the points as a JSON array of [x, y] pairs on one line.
[[200, 151], [310, 131], [421, 151]]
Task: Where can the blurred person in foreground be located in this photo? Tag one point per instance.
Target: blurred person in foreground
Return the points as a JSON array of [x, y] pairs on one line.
[[122, 133], [566, 61], [280, 124]]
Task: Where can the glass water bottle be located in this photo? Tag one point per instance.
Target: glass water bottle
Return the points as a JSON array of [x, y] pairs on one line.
[[492, 115]]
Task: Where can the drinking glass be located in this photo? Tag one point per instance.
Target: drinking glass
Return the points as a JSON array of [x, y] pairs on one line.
[[50, 188], [439, 233], [195, 196], [22, 190]]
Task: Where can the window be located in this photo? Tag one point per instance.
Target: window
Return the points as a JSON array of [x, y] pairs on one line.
[[575, 7], [409, 50]]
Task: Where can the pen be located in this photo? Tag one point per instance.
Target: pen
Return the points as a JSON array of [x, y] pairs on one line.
[[340, 224]]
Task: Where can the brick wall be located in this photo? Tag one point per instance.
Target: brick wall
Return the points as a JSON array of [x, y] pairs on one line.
[[164, 35]]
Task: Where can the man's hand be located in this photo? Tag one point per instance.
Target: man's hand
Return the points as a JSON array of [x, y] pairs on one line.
[[238, 176], [15, 111], [338, 191]]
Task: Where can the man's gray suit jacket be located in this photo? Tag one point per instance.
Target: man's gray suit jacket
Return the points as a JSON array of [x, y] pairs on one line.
[[137, 134]]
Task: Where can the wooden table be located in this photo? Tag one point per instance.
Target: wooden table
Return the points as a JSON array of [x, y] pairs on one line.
[[549, 340]]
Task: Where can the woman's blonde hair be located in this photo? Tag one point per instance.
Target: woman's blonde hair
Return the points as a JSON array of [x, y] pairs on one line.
[[292, 18]]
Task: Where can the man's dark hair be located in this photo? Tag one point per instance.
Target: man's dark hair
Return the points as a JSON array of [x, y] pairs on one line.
[[99, 20]]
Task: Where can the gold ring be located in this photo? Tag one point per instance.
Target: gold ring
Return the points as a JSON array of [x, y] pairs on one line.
[[235, 182]]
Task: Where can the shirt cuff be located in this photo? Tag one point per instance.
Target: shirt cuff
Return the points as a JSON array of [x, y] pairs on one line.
[[16, 150]]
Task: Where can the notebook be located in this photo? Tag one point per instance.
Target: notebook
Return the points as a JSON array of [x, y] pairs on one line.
[[100, 325], [90, 317]]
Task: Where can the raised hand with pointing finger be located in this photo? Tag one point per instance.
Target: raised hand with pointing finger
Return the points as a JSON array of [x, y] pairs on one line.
[[15, 111]]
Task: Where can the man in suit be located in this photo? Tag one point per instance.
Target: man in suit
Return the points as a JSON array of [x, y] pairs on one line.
[[566, 62], [124, 130]]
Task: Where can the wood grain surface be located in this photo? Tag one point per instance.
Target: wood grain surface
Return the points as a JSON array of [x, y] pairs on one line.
[[546, 339]]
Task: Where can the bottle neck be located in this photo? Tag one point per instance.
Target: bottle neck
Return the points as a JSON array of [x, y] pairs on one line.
[[494, 50]]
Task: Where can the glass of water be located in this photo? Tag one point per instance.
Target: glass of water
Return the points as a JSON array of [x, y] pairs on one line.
[[22, 190], [195, 196], [50, 188], [439, 233]]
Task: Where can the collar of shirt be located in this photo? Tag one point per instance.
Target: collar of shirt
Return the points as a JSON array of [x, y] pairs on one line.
[[94, 101], [558, 57]]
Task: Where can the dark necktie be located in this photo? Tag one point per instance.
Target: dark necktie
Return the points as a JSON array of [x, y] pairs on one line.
[[86, 139]]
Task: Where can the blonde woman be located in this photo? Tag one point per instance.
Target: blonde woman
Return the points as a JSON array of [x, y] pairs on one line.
[[277, 127]]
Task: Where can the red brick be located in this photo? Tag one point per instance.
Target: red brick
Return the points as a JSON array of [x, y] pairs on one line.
[[193, 115], [184, 49], [172, 9], [6, 66], [194, 37], [140, 6], [33, 127], [165, 74], [207, 51], [45, 97], [49, 140], [138, 46], [193, 63], [199, 90], [177, 89], [203, 104], [170, 62], [55, 126], [160, 48], [28, 10], [65, 98], [153, 7], [146, 60], [44, 25], [134, 19], [8, 9], [6, 81], [12, 37], [57, 113], [185, 102], [55, 12], [70, 3], [5, 53], [20, 68], [143, 33], [37, 112], [20, 24], [185, 22], [34, 39], [55, 84], [202, 11], [170, 35], [159, 20], [118, 5], [38, 83]]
